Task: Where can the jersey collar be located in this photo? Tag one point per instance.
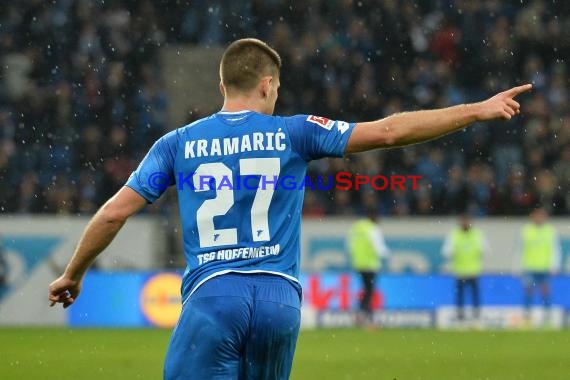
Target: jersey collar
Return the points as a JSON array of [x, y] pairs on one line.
[[234, 113]]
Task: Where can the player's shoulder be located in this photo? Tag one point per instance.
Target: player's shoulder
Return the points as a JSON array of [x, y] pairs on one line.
[[168, 139], [261, 117], [195, 124], [173, 137], [295, 124], [295, 119], [289, 123], [319, 123]]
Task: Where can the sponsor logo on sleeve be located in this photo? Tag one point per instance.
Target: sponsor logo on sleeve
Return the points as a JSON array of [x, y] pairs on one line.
[[342, 126], [321, 121]]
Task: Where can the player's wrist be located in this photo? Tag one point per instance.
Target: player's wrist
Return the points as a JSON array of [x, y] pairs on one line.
[[475, 111], [73, 275]]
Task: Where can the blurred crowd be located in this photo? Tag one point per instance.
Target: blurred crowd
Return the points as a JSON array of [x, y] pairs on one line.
[[82, 95], [81, 99]]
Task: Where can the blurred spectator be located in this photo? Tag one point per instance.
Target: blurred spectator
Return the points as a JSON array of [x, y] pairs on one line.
[[453, 199]]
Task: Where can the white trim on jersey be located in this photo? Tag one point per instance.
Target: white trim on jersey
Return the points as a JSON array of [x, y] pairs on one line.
[[234, 113], [222, 272]]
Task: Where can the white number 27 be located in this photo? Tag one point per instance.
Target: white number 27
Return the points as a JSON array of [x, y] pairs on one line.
[[224, 200]]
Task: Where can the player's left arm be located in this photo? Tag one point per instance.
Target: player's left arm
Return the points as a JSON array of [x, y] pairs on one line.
[[98, 234], [408, 128]]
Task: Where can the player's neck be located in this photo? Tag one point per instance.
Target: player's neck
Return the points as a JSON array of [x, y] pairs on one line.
[[241, 104]]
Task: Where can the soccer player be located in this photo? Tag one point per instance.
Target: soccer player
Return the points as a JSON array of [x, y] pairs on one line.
[[241, 219], [367, 246]]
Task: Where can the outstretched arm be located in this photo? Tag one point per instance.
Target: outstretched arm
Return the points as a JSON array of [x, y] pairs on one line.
[[414, 127], [98, 234]]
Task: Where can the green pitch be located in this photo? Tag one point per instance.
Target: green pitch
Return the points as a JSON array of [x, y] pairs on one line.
[[28, 354]]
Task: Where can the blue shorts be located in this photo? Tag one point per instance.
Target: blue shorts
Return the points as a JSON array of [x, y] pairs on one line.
[[236, 326], [533, 279]]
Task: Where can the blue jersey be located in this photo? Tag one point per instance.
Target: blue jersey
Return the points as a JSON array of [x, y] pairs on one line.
[[240, 179]]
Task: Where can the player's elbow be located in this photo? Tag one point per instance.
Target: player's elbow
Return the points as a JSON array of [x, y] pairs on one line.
[[112, 214], [372, 135], [387, 134], [385, 139]]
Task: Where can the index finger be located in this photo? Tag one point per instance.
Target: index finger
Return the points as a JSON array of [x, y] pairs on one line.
[[518, 90]]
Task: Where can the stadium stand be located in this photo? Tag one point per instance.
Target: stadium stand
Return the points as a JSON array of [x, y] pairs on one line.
[[82, 94]]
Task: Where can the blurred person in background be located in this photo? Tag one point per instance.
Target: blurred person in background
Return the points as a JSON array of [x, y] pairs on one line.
[[465, 247], [541, 254], [367, 248]]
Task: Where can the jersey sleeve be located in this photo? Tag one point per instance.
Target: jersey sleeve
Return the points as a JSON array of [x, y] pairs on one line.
[[156, 171], [315, 137]]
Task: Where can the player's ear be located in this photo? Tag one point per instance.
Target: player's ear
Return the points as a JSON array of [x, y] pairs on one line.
[[222, 90], [265, 87]]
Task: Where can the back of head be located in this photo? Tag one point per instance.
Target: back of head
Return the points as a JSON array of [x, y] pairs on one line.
[[245, 62]]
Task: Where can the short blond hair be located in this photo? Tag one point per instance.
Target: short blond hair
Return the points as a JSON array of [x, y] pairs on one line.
[[245, 62]]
